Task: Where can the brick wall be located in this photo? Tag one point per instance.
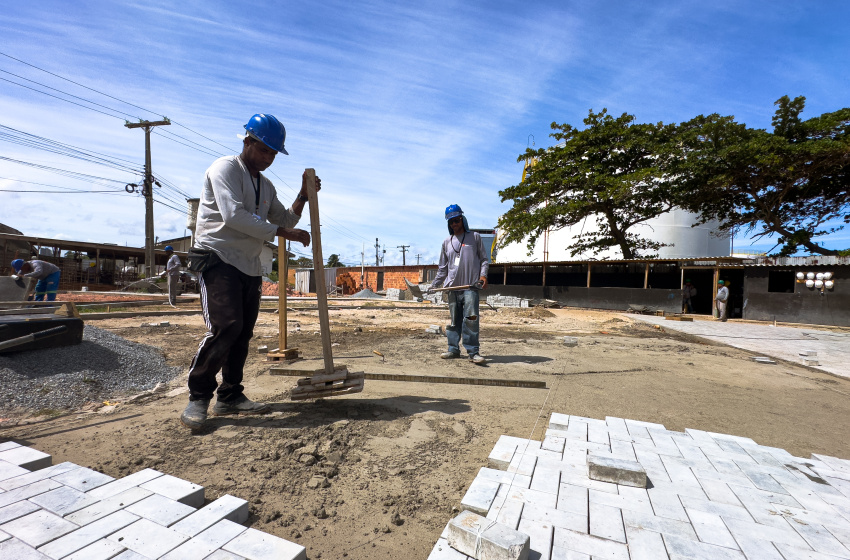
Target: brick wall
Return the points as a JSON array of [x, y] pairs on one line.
[[381, 278]]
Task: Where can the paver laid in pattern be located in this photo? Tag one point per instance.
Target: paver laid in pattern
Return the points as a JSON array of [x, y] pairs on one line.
[[708, 496], [785, 343], [71, 512]]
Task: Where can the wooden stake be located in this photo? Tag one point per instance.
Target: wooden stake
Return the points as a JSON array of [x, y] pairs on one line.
[[282, 278], [319, 271]]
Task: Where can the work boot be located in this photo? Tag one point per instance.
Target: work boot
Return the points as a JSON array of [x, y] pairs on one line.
[[449, 355], [195, 414], [239, 405], [477, 359]]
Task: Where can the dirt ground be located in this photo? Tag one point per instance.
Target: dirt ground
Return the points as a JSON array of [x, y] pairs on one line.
[[379, 472]]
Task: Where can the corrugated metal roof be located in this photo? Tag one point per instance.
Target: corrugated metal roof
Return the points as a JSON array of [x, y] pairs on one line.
[[819, 260], [710, 261]]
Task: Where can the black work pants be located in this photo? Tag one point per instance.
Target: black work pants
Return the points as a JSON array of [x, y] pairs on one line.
[[231, 302]]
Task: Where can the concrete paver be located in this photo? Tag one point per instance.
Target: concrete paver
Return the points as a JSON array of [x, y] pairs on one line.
[[710, 496], [75, 513], [784, 343]]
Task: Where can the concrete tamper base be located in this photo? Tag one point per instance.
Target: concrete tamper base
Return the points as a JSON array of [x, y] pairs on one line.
[[72, 512], [15, 290], [712, 496]]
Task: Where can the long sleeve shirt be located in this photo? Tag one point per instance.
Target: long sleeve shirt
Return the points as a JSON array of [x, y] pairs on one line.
[[231, 222], [463, 261], [722, 294], [42, 269], [173, 266]]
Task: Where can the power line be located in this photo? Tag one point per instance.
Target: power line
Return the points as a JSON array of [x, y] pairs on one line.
[[109, 96], [60, 192], [65, 172], [22, 138], [60, 98], [187, 143], [69, 94]]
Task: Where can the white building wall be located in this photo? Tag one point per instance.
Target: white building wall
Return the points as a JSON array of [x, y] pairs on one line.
[[673, 227]]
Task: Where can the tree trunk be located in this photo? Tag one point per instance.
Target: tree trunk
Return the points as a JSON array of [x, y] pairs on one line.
[[618, 235]]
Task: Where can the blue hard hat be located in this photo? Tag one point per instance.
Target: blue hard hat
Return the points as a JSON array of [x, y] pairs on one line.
[[453, 211], [169, 248], [267, 130], [17, 264]]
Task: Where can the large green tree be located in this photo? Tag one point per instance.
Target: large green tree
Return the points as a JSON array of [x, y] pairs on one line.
[[333, 261], [792, 182], [611, 171]]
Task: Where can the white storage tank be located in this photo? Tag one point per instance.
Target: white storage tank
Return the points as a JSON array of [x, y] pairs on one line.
[[673, 228]]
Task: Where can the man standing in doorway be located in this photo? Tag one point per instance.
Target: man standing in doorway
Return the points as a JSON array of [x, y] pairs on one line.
[[721, 299], [172, 273], [463, 262], [238, 211], [688, 293], [46, 273]]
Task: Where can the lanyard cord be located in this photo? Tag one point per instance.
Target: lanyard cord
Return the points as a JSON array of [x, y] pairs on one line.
[[452, 241], [256, 191]]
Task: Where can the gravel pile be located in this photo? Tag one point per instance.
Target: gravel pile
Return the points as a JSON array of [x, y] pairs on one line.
[[102, 366], [367, 293]]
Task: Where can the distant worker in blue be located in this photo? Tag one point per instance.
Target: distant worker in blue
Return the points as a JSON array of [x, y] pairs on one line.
[[238, 212], [46, 273], [172, 273], [464, 266]]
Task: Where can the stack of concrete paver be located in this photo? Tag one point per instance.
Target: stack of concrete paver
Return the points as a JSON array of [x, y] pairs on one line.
[[394, 294], [507, 301], [74, 513], [710, 496]]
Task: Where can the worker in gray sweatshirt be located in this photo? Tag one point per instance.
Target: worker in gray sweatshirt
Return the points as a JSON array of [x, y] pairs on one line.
[[463, 262]]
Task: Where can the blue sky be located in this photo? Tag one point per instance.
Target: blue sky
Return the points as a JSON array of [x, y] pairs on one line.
[[401, 109]]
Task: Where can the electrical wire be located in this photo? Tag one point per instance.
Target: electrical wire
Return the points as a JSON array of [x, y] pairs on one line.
[[15, 136], [60, 192], [338, 227], [65, 172], [116, 191]]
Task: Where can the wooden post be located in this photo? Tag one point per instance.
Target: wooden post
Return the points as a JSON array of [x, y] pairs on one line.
[[588, 275], [714, 288], [319, 271], [505, 275], [282, 279], [544, 274], [646, 277]]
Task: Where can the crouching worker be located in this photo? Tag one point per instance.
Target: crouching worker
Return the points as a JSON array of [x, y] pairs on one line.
[[463, 262], [46, 273], [238, 212]]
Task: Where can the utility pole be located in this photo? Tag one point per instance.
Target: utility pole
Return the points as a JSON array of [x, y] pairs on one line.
[[377, 254], [417, 259], [403, 253], [147, 192]]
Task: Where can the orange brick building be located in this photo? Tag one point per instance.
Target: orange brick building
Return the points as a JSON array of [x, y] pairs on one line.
[[379, 278]]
